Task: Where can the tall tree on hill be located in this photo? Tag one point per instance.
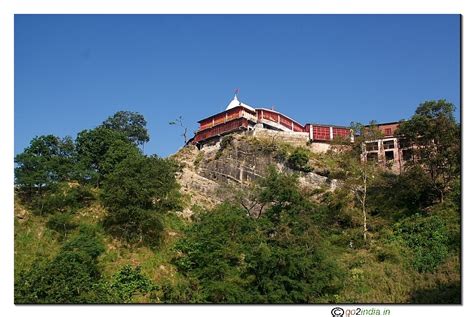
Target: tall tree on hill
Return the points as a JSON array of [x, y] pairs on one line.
[[47, 160], [136, 193], [132, 124], [359, 171], [99, 150], [435, 137]]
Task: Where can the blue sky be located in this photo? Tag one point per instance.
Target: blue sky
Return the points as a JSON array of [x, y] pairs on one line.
[[73, 71]]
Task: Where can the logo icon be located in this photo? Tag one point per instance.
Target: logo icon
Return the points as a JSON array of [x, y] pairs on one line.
[[337, 312]]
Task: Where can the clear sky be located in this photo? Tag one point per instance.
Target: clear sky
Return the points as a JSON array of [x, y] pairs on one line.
[[73, 71]]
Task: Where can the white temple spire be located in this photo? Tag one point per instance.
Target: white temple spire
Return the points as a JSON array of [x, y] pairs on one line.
[[236, 102]]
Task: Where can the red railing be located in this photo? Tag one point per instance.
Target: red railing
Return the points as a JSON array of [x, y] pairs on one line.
[[221, 129]]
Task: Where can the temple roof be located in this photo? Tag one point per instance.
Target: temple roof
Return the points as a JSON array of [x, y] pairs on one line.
[[235, 103]]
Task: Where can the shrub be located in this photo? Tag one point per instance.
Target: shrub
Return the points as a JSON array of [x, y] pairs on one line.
[[427, 238], [87, 241], [198, 159], [128, 282], [61, 223], [298, 160], [226, 141], [135, 225], [68, 278], [62, 198]]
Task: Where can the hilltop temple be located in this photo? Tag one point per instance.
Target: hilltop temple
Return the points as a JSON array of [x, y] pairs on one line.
[[389, 151], [239, 116]]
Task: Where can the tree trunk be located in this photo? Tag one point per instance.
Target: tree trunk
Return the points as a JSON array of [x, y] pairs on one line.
[[364, 211]]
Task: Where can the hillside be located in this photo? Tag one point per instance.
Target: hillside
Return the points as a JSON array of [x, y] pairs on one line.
[[251, 218], [239, 160]]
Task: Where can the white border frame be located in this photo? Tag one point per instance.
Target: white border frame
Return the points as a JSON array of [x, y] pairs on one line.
[[9, 7]]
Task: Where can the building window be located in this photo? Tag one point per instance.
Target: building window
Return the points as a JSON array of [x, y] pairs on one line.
[[389, 155], [407, 155], [372, 157], [372, 146], [388, 144], [387, 131]]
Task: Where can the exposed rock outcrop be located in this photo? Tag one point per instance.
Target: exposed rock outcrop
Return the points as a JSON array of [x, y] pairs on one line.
[[239, 160]]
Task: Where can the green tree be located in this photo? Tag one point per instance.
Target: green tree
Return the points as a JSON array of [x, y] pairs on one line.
[[116, 153], [93, 146], [61, 223], [45, 162], [131, 124], [129, 282], [435, 138], [215, 253], [276, 258], [135, 193], [141, 181], [394, 196], [135, 225]]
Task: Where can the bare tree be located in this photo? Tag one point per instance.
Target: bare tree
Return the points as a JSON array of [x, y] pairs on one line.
[[360, 175], [179, 121]]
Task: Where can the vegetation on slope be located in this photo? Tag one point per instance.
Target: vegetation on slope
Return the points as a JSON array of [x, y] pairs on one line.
[[97, 223]]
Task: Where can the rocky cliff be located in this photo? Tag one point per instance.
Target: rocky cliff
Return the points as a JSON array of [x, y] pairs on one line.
[[238, 160]]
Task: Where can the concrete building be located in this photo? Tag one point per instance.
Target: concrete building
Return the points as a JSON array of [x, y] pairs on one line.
[[389, 151]]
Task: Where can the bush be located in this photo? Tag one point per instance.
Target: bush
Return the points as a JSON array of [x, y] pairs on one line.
[[135, 225], [61, 223], [198, 159], [129, 282], [68, 278], [427, 239], [85, 241], [62, 198], [396, 196], [226, 141], [298, 160]]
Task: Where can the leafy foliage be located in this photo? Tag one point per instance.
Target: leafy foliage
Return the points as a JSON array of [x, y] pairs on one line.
[[435, 137], [61, 223], [298, 160], [95, 160], [276, 259], [401, 195], [144, 182], [135, 225], [128, 282], [427, 238], [131, 124], [63, 197], [135, 192], [225, 234], [45, 162], [65, 279], [271, 243]]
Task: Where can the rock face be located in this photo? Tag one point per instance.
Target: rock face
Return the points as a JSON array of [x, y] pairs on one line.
[[239, 162], [238, 159]]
